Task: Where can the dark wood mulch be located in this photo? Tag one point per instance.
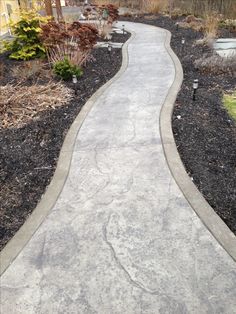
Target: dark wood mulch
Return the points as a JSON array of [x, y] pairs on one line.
[[29, 155], [205, 134]]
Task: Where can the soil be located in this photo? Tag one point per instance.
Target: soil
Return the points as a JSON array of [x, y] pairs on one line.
[[205, 134], [28, 155]]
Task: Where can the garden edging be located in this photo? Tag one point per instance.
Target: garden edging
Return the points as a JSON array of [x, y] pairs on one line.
[[205, 212], [24, 234]]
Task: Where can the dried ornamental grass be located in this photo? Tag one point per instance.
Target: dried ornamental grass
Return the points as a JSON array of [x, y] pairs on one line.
[[154, 6], [216, 65], [192, 22], [211, 25], [20, 104], [31, 70]]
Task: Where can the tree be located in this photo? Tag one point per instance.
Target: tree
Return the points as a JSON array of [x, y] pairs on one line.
[[48, 7], [49, 10], [59, 10]]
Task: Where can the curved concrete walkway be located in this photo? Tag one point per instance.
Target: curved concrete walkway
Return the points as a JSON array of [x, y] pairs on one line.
[[121, 238]]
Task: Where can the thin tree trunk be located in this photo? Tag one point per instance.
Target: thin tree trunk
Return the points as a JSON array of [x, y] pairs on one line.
[[48, 7], [59, 10]]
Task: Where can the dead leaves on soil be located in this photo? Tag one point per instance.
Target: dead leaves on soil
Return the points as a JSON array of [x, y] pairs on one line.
[[19, 104]]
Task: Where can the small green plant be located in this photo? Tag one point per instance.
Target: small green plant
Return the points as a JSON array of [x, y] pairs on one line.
[[26, 44], [230, 104], [66, 70]]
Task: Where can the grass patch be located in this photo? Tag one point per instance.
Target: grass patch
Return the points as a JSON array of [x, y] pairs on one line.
[[230, 104]]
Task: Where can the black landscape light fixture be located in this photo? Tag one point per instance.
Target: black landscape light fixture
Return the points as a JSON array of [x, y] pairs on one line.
[[177, 26], [123, 29], [109, 48], [75, 81], [195, 87], [182, 44]]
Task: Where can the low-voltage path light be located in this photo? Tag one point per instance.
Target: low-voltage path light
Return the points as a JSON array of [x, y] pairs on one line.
[[109, 47], [195, 88], [123, 29], [75, 81], [182, 44]]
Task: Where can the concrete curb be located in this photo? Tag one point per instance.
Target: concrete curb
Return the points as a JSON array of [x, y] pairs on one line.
[[205, 212], [24, 234]]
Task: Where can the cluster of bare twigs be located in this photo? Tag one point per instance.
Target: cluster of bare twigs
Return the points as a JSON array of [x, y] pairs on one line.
[[102, 18]]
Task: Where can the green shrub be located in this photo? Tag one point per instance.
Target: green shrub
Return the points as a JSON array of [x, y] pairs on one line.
[[66, 70], [230, 104], [26, 44]]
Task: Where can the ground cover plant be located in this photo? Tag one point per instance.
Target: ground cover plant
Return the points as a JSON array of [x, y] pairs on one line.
[[66, 70], [230, 104], [204, 132]]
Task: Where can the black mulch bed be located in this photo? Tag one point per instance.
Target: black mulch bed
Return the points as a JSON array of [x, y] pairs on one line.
[[29, 155], [205, 134], [118, 38]]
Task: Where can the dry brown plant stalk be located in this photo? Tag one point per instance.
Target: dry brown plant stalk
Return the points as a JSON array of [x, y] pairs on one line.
[[154, 6], [211, 25]]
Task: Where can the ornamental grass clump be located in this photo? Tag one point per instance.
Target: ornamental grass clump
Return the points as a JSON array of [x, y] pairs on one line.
[[211, 25], [217, 65], [154, 6], [26, 44]]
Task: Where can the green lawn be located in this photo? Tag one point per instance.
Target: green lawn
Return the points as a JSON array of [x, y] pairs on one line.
[[230, 104]]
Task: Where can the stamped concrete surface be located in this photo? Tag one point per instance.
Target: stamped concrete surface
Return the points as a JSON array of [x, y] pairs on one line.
[[122, 238]]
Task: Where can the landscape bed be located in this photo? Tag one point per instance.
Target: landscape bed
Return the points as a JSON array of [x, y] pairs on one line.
[[204, 132], [29, 154]]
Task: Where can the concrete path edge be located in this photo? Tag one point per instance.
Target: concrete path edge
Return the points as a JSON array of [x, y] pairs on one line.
[[205, 212], [24, 234]]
